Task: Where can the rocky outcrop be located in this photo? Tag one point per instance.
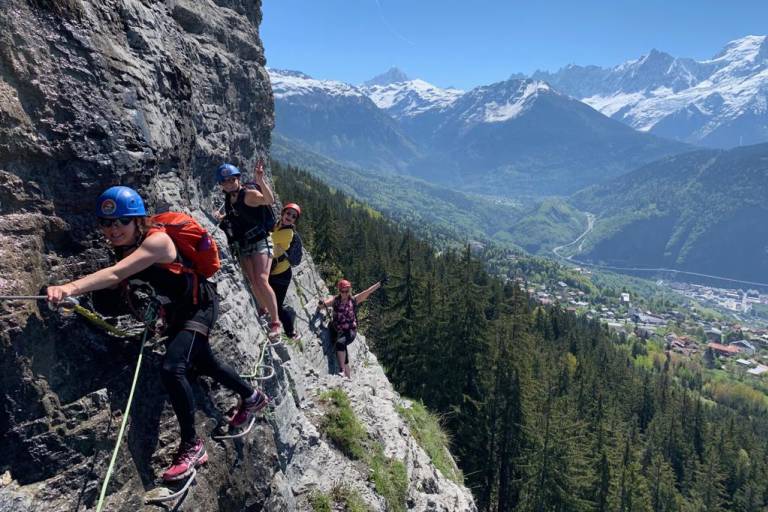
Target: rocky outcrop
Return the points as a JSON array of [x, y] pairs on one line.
[[153, 95]]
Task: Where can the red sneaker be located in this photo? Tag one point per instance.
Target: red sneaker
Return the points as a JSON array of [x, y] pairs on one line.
[[188, 456], [247, 407]]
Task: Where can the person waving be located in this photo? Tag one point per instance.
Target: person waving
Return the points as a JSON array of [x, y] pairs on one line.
[[248, 220]]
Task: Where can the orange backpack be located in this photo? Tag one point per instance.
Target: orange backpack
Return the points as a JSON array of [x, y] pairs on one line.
[[199, 254]]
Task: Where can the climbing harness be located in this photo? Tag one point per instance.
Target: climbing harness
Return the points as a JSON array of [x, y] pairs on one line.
[[149, 317]]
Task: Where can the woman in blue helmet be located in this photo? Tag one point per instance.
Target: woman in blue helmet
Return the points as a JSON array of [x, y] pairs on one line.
[[249, 216], [144, 253]]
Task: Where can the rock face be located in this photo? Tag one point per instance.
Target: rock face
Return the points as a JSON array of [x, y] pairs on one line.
[[153, 95]]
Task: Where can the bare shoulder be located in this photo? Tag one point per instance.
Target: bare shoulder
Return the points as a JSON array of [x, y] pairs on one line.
[[160, 244]]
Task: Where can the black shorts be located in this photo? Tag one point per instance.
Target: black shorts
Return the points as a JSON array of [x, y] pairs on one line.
[[341, 339], [199, 318]]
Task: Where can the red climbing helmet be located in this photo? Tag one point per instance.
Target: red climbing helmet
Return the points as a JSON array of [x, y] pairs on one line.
[[293, 206], [343, 284]]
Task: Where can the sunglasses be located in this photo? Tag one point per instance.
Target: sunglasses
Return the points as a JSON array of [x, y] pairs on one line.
[[231, 179], [290, 214], [108, 223], [345, 291]]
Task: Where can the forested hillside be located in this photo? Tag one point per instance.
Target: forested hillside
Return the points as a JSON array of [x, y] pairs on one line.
[[446, 214], [546, 410], [702, 211]]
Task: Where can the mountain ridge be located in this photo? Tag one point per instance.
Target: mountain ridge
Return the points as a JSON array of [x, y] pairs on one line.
[[511, 137], [717, 102]]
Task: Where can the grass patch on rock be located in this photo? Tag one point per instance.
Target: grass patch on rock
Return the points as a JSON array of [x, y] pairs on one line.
[[340, 495], [389, 476], [342, 426], [320, 502], [390, 479], [349, 498], [425, 427]]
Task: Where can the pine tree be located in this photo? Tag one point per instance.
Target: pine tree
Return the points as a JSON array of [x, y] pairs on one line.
[[557, 477], [708, 493], [661, 481]]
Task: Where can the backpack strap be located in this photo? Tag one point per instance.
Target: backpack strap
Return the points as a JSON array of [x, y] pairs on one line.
[[179, 266]]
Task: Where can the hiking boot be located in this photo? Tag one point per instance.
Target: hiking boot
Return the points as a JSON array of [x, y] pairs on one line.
[[274, 331], [249, 406], [188, 456]]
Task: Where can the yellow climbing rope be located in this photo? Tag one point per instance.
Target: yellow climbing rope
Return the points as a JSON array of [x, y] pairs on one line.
[[149, 317]]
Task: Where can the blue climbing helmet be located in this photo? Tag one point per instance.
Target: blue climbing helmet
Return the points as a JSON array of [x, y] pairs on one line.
[[226, 171], [118, 202]]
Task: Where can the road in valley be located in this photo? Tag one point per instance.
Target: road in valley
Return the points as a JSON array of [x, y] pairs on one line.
[[580, 239], [591, 224]]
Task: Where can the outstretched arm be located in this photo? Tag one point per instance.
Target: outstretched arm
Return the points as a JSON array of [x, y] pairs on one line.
[[158, 248], [363, 295]]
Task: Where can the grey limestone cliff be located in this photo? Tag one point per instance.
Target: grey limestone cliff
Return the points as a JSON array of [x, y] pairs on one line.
[[154, 95]]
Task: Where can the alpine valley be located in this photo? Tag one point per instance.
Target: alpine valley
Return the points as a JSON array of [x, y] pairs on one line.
[[516, 137], [622, 143]]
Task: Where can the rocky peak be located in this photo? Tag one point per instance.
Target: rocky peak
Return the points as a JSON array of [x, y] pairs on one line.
[[392, 76], [288, 73], [155, 96]]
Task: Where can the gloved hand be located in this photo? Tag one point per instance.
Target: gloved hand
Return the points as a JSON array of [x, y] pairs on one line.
[[384, 279]]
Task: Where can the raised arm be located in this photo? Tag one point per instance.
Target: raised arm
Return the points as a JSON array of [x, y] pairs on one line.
[[263, 197], [157, 248], [363, 295]]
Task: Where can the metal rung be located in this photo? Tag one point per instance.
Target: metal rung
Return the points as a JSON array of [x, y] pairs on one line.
[[161, 494], [239, 434]]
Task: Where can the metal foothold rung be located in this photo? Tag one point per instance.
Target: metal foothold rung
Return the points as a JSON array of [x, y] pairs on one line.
[[163, 494], [239, 434]]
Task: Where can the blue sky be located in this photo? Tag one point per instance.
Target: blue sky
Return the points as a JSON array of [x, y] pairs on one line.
[[465, 44]]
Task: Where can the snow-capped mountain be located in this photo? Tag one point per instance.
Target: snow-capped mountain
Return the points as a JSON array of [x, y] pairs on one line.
[[719, 102], [511, 137], [523, 137], [499, 102], [288, 84], [338, 120], [410, 98]]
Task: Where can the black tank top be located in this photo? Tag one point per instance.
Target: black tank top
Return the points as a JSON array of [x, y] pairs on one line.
[[170, 290], [248, 222]]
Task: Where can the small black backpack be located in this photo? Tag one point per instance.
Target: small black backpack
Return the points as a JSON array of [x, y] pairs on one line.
[[294, 252]]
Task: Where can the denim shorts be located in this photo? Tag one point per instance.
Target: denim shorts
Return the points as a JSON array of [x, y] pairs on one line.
[[263, 246]]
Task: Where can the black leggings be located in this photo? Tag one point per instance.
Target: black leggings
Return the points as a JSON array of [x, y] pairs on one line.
[[280, 287], [191, 350]]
